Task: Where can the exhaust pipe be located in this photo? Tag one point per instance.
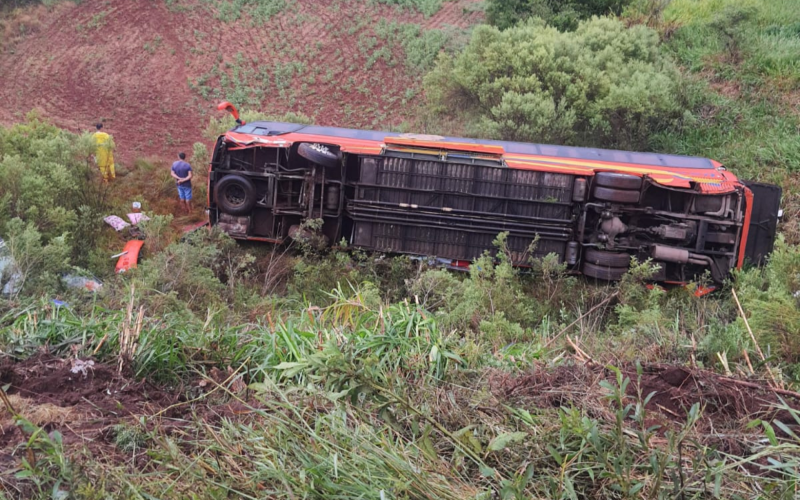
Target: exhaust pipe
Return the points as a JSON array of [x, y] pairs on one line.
[[682, 256]]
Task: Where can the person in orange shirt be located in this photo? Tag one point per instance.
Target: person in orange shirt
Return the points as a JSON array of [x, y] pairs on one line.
[[104, 155]]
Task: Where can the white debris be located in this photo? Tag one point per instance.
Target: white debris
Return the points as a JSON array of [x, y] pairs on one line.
[[81, 366]]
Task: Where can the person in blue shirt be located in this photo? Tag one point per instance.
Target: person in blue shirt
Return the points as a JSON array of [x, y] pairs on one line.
[[182, 172]]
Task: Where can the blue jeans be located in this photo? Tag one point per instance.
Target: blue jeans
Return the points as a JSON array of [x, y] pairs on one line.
[[185, 192]]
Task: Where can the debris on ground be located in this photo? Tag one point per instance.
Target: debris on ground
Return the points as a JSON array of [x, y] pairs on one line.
[[89, 284], [116, 222], [82, 366], [10, 278], [137, 217], [129, 258]]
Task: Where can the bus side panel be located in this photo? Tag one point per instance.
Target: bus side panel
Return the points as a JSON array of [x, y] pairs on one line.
[[454, 210]]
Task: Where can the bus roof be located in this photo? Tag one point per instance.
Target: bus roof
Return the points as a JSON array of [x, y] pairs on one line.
[[265, 128]]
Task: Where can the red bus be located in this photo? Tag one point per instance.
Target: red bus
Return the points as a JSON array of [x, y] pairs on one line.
[[449, 198]]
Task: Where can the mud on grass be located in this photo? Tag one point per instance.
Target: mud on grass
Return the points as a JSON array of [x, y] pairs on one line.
[[727, 405]]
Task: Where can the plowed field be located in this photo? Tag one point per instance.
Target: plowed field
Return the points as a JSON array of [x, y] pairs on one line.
[[153, 72]]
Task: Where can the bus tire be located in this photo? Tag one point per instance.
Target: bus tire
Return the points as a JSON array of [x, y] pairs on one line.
[[604, 273], [235, 195], [319, 153], [607, 259], [616, 195], [618, 181]]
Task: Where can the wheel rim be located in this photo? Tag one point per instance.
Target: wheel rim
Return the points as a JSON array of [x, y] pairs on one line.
[[235, 195]]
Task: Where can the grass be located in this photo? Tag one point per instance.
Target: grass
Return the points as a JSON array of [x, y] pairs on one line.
[[742, 78], [358, 399]]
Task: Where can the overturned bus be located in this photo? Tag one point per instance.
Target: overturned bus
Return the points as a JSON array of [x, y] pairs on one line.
[[450, 197]]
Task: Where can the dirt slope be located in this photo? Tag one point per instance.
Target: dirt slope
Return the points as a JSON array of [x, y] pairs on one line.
[[153, 72]]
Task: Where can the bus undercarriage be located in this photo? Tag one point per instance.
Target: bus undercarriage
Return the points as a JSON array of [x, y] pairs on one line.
[[452, 204]]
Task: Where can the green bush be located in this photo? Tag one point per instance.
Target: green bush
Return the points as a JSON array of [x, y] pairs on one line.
[[563, 14], [48, 179], [199, 272], [35, 265], [770, 297], [421, 46], [491, 298], [602, 85]]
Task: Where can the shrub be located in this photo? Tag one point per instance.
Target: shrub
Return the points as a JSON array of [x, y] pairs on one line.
[[427, 7], [260, 11], [602, 85], [190, 275], [34, 264], [48, 179], [770, 297], [421, 46], [563, 14], [491, 299]]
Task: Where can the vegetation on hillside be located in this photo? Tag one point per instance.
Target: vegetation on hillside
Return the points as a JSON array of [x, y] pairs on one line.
[[561, 14], [346, 374], [601, 85]]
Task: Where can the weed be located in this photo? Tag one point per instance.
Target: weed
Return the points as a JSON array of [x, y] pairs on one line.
[[95, 23], [152, 46]]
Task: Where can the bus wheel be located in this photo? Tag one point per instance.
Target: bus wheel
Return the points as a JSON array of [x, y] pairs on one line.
[[616, 195], [604, 272], [319, 153], [607, 259], [618, 181], [235, 195]]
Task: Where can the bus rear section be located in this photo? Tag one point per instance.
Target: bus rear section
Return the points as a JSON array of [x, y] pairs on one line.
[[451, 204]]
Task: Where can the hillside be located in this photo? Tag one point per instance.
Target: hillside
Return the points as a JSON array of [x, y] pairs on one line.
[[153, 70], [222, 368]]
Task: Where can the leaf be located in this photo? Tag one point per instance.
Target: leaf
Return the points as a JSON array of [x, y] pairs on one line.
[[259, 387], [462, 431], [502, 441], [753, 423], [333, 396], [487, 471], [476, 444], [635, 488], [434, 354], [428, 449], [556, 456], [290, 369], [785, 429], [288, 364], [770, 432]]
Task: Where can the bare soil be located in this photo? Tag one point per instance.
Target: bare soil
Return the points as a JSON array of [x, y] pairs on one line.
[[91, 401]]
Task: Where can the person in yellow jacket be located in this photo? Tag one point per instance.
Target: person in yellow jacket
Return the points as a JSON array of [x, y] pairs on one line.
[[104, 155]]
